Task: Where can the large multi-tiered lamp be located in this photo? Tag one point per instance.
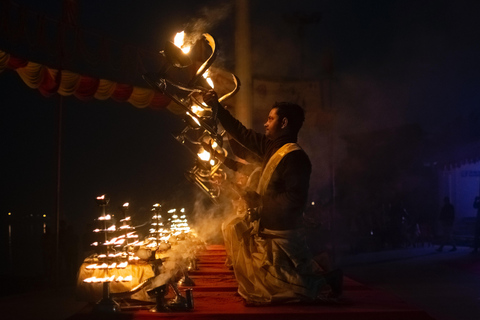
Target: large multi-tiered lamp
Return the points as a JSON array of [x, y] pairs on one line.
[[106, 304]]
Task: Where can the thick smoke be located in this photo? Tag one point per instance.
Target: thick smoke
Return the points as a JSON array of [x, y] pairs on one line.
[[176, 260], [209, 18], [209, 217], [207, 226]]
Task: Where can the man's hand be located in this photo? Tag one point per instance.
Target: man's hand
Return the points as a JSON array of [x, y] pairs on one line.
[[252, 199], [211, 99]]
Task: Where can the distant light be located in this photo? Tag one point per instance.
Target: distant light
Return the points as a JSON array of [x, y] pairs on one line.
[[313, 203], [9, 213], [44, 215], [126, 204]]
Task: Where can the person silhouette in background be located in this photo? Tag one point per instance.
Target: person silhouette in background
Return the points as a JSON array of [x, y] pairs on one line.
[[476, 239], [446, 219]]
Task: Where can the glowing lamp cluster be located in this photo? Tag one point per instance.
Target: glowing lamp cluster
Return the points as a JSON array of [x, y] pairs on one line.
[[179, 224], [108, 279], [104, 265], [116, 246]]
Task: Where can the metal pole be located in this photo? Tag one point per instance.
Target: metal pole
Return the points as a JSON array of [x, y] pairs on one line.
[[58, 188]]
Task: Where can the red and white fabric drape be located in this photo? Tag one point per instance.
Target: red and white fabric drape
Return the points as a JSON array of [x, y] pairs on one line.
[[49, 81]]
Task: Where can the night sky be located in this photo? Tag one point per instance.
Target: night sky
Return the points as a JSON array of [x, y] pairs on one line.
[[395, 62]]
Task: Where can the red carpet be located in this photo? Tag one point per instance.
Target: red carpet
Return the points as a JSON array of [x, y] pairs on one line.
[[215, 298]]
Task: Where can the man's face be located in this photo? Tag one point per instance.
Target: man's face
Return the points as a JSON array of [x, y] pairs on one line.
[[273, 126]]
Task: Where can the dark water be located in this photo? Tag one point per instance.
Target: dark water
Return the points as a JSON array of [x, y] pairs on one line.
[[29, 255]]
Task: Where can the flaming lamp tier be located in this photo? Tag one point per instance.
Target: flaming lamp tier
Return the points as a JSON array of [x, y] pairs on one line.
[[185, 76], [114, 263]]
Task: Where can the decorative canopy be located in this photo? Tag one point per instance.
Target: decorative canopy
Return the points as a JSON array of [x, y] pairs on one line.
[[50, 81]]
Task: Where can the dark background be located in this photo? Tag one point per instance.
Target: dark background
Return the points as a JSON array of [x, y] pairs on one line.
[[394, 63]]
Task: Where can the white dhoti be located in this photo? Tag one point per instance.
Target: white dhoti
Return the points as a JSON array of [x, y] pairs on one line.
[[271, 266]]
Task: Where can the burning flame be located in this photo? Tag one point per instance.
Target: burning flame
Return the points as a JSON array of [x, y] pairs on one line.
[[127, 278], [157, 224], [132, 235], [194, 119], [197, 110], [210, 82], [108, 279], [204, 155], [206, 75], [104, 265], [115, 241], [179, 41]]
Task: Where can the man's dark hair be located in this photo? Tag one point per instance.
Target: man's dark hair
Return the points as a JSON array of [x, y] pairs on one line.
[[293, 112]]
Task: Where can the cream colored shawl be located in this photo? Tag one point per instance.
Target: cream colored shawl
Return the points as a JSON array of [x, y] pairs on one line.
[[272, 165]]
